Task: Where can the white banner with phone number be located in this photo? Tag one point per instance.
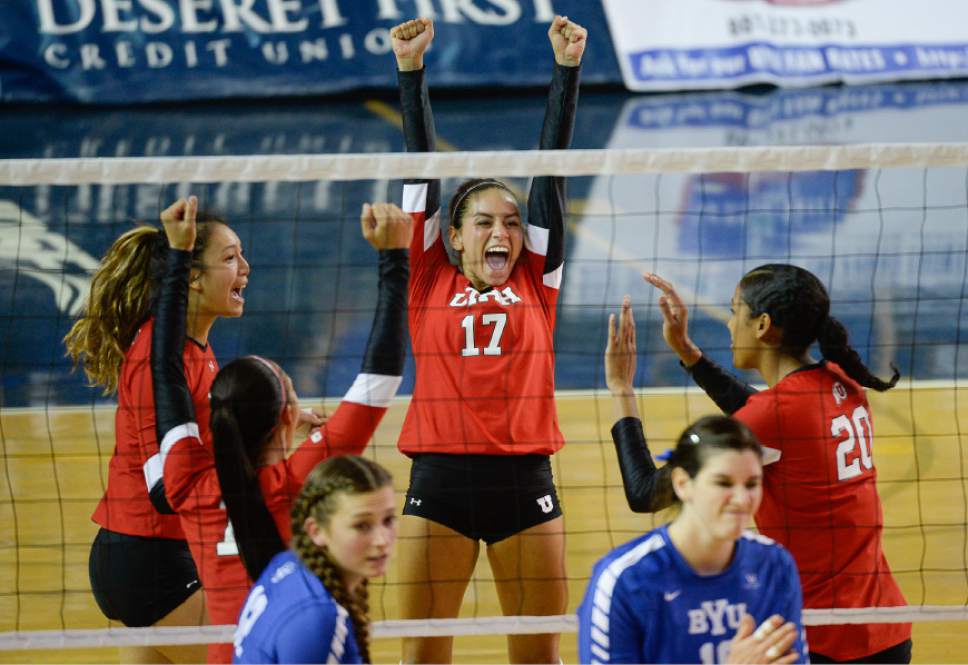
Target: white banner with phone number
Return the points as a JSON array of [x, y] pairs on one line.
[[701, 44]]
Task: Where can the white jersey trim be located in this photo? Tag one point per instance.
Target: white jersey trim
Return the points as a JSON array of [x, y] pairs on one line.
[[605, 585], [431, 230], [373, 389], [758, 537], [176, 434], [415, 197], [538, 239], [340, 631], [153, 470], [553, 279]]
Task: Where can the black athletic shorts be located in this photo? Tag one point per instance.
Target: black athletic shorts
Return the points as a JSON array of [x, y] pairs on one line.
[[138, 580], [483, 497]]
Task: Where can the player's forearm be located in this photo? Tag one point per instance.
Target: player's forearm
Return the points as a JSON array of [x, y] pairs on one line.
[[624, 403], [729, 393], [173, 401], [418, 119], [386, 346], [561, 108], [647, 488]]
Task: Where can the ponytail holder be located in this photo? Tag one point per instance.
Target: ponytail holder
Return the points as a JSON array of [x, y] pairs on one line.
[[665, 456]]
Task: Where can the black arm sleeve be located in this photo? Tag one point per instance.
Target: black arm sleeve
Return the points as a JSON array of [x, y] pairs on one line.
[[647, 489], [418, 126], [546, 202], [729, 393], [173, 401], [385, 348]]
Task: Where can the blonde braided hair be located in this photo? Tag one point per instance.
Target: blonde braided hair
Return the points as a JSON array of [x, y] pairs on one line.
[[318, 499], [122, 295]]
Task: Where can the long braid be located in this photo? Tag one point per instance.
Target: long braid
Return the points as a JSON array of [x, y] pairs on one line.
[[317, 499]]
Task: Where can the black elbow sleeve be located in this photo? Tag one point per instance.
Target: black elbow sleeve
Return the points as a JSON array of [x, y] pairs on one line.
[[636, 465]]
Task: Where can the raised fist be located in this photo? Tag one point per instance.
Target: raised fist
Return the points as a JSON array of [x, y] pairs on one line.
[[385, 226], [179, 222], [410, 40], [567, 40]]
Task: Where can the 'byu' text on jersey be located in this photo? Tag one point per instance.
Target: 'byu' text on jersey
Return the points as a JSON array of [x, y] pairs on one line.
[[645, 604], [289, 617]]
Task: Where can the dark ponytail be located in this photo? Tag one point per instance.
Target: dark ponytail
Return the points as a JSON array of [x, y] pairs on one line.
[[247, 401], [834, 346], [799, 306]]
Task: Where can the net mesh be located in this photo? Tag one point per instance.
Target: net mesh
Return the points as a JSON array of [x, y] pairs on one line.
[[884, 226]]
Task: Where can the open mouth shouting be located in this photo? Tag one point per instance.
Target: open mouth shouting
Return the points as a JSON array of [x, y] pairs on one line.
[[497, 258]]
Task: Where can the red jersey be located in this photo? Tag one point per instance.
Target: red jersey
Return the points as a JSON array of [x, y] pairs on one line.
[[485, 361], [192, 488], [485, 379], [135, 465], [820, 501]]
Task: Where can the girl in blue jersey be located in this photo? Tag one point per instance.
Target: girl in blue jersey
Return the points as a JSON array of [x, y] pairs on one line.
[[310, 603], [692, 591]]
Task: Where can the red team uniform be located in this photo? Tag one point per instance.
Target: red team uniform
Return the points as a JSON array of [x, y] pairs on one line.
[[135, 466], [820, 497], [190, 478], [485, 361], [192, 486]]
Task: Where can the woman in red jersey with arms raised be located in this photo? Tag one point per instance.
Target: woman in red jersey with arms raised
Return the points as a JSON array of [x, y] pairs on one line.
[[819, 484], [140, 568], [482, 422], [234, 497]]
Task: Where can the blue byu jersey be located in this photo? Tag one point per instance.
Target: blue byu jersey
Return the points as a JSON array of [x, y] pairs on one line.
[[289, 617], [645, 604]]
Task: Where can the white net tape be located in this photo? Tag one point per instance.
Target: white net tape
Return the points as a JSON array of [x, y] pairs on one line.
[[517, 625], [385, 166]]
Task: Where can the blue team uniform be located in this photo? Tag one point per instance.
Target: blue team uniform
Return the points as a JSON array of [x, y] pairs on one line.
[[645, 604], [290, 617]]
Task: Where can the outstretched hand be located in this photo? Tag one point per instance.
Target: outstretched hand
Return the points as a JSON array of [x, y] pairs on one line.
[[179, 222], [410, 41], [385, 226], [568, 41], [675, 321], [620, 352], [770, 643]]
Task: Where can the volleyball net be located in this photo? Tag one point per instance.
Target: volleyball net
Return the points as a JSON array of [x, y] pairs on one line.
[[885, 227]]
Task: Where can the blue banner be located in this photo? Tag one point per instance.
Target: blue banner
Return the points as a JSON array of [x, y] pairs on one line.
[[132, 51]]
